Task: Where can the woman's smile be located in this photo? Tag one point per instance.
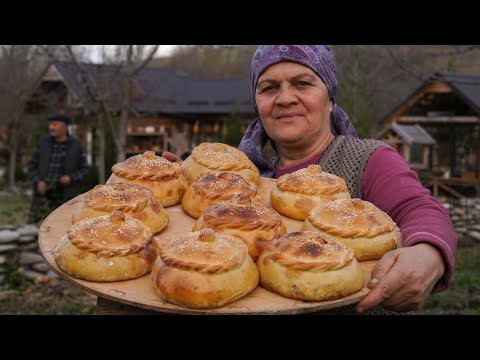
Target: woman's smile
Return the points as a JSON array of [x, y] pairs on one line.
[[287, 116]]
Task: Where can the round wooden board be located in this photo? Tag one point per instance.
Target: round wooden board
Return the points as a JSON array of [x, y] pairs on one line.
[[140, 292]]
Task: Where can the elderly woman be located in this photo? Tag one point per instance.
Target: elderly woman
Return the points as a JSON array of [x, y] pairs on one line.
[[294, 95], [293, 89]]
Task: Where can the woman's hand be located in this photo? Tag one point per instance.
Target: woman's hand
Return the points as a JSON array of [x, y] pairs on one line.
[[172, 157], [403, 278]]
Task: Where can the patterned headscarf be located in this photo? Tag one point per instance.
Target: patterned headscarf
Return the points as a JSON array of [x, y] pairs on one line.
[[320, 59]]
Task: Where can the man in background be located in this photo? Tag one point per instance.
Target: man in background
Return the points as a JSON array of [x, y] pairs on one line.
[[56, 168]]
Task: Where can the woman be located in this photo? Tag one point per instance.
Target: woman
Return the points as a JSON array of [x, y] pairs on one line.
[[293, 89]]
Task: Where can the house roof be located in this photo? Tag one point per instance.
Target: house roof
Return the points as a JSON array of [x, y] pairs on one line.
[[466, 86], [162, 90], [410, 134]]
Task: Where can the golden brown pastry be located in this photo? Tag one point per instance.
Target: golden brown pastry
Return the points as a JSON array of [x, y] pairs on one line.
[[308, 266], [214, 158], [204, 270], [156, 173], [133, 200], [356, 223], [210, 189], [107, 248], [251, 221], [296, 194]]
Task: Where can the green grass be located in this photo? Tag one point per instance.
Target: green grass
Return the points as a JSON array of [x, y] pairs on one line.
[[14, 209], [463, 296], [54, 297], [13, 280]]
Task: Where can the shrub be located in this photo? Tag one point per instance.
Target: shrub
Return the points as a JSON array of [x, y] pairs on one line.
[[20, 174]]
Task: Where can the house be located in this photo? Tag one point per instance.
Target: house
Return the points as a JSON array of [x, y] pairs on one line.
[[169, 111], [413, 142], [447, 106]]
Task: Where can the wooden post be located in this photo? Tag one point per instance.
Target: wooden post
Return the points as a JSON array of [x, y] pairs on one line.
[[406, 152], [435, 186], [453, 150], [477, 175], [430, 157]]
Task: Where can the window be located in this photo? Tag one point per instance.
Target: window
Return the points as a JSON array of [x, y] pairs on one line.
[[416, 153]]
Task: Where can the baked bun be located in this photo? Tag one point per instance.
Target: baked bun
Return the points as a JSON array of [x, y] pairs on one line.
[[133, 200], [204, 270], [156, 173], [210, 189], [356, 223], [308, 266], [251, 221], [214, 158], [107, 248], [296, 194]]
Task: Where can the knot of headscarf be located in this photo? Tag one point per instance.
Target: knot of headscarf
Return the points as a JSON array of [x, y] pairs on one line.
[[321, 60]]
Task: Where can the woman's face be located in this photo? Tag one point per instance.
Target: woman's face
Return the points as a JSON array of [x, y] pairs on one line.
[[294, 104]]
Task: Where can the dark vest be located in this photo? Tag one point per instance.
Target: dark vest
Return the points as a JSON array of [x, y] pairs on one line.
[[347, 157]]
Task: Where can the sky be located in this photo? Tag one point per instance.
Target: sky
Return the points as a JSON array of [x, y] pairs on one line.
[[164, 50]]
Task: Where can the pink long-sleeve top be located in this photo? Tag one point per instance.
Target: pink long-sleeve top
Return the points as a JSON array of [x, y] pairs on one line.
[[390, 184]]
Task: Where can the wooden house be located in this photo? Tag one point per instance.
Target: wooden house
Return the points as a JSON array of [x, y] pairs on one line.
[[414, 143], [447, 106], [169, 111]]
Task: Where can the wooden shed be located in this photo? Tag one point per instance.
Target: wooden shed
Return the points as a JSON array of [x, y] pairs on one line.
[[413, 142]]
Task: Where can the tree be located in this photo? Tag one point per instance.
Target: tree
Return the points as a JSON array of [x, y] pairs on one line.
[[358, 82], [212, 61], [22, 68], [234, 126], [373, 79], [114, 93], [408, 66]]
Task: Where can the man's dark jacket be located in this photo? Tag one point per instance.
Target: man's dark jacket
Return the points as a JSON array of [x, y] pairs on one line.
[[74, 161]]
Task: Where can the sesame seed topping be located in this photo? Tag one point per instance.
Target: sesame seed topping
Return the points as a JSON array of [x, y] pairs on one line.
[[242, 210], [193, 247], [352, 214], [223, 154], [114, 196], [110, 232], [145, 165], [311, 179], [223, 183], [312, 247]]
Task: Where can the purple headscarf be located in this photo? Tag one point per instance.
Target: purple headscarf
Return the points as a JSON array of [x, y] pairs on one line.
[[320, 59]]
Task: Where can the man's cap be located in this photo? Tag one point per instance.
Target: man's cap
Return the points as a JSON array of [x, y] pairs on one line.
[[60, 117]]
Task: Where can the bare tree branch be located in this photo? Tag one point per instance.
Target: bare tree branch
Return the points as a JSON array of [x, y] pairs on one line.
[[94, 93], [21, 75], [89, 81], [460, 51], [145, 61], [402, 66]]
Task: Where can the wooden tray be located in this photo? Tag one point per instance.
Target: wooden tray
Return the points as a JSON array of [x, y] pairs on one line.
[[140, 292]]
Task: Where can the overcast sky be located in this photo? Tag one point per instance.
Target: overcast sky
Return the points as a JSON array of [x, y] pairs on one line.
[[163, 50]]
